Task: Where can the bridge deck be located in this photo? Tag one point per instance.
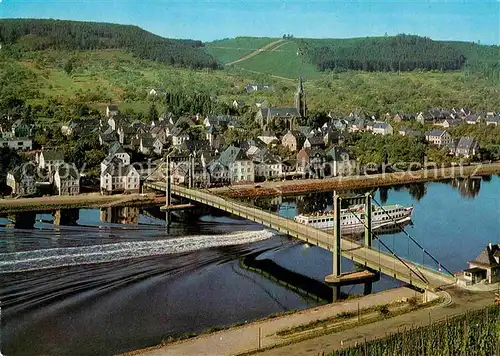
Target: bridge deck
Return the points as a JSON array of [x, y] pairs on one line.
[[403, 270]]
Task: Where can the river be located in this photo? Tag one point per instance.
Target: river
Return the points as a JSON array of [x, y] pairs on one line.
[[102, 287]]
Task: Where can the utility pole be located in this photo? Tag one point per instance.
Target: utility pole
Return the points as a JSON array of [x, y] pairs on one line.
[[337, 256], [368, 220], [168, 191]]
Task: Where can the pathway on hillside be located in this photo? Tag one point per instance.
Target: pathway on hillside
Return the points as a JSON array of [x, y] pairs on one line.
[[256, 52]]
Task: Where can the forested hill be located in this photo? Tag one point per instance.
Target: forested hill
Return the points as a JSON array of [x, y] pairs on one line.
[[398, 53], [34, 34]]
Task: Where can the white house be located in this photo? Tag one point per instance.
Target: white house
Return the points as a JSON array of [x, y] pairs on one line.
[[50, 160], [66, 180], [270, 167], [238, 104], [242, 170], [178, 136], [119, 178], [439, 137], [494, 121], [467, 147], [267, 137], [382, 128]]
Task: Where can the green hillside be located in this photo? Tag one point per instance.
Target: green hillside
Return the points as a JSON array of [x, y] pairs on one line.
[[59, 70], [34, 34], [311, 57], [101, 76]]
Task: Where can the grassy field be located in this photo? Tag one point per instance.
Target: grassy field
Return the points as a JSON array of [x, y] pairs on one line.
[[229, 50], [281, 61], [249, 43]]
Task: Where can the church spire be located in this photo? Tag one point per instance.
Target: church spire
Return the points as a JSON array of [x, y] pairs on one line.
[[300, 88], [300, 99]]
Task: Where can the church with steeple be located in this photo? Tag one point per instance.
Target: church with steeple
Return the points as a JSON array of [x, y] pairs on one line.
[[266, 116]]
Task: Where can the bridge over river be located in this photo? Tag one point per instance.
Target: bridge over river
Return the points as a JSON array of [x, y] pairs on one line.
[[407, 271]]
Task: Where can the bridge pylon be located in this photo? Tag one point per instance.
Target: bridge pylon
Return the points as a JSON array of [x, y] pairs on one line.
[[337, 278]]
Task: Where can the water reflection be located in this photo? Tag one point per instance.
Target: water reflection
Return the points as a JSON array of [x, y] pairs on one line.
[[469, 187], [120, 215], [417, 190], [321, 201]]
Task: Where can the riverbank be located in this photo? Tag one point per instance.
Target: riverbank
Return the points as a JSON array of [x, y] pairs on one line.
[[92, 200], [246, 337], [272, 336], [303, 186]]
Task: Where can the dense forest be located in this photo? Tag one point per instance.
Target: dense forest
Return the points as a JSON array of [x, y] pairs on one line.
[[387, 54], [33, 34]]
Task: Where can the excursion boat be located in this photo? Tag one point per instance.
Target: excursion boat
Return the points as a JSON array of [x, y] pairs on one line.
[[353, 219]]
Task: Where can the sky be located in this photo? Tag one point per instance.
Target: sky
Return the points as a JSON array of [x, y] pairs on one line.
[[466, 20]]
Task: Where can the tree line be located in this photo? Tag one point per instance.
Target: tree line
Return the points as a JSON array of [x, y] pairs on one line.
[[388, 54], [33, 34], [181, 103]]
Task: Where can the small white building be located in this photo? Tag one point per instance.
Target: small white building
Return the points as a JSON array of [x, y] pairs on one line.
[[66, 180], [269, 168], [242, 170], [119, 178], [50, 160], [178, 137], [439, 137], [268, 137], [382, 128]]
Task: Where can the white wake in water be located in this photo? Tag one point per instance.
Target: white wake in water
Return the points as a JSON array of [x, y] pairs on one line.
[[71, 256]]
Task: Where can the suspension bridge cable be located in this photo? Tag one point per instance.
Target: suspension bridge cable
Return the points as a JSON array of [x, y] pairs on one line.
[[419, 274], [412, 239]]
